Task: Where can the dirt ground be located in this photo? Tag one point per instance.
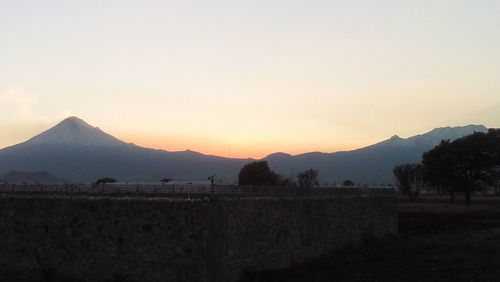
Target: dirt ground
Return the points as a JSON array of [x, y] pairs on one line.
[[438, 241]]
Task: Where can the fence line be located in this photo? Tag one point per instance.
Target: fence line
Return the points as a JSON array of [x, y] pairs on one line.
[[187, 190]]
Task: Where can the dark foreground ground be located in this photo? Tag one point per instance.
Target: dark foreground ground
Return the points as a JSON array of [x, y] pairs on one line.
[[438, 241]]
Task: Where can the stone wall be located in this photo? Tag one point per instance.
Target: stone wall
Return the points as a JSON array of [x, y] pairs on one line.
[[62, 238]]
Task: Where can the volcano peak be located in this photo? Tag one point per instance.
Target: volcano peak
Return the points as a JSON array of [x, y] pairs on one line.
[[74, 131]]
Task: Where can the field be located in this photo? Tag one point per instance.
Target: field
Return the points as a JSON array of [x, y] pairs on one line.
[[438, 241]]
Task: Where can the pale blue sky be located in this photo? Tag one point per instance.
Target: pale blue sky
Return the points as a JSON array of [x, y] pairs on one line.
[[258, 76]]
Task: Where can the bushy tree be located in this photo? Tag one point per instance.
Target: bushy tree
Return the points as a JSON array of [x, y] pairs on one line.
[[308, 178], [347, 183], [410, 179], [286, 181], [166, 180], [439, 170], [257, 173], [105, 180], [465, 164]]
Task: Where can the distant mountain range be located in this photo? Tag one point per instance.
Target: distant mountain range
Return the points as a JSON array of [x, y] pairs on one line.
[[38, 177], [372, 164], [79, 152]]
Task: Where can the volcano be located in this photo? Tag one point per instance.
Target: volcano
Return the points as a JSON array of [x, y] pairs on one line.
[[78, 152]]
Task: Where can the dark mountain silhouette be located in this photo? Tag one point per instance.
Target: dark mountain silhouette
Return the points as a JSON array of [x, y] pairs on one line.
[[74, 132], [76, 151], [372, 164], [22, 177]]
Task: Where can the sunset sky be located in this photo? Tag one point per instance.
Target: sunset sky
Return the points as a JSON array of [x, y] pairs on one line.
[[248, 78]]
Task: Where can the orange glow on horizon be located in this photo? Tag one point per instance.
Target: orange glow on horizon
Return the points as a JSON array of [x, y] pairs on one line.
[[254, 150], [233, 81]]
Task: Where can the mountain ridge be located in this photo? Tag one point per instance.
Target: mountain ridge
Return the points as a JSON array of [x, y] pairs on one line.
[[371, 164], [24, 177], [77, 151]]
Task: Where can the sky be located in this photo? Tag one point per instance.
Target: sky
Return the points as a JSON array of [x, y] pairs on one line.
[[249, 78]]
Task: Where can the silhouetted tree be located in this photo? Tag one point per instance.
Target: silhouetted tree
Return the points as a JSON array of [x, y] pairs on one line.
[[410, 179], [286, 181], [347, 183], [257, 173], [212, 179], [465, 164], [166, 180], [308, 178], [105, 180], [439, 171]]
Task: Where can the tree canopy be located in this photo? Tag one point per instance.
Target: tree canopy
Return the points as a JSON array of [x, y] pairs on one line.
[[347, 183], [308, 178], [105, 180], [465, 164], [257, 173]]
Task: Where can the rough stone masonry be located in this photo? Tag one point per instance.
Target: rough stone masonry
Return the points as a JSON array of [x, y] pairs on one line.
[[203, 238]]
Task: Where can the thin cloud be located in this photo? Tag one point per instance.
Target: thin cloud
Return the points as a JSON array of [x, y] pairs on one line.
[[21, 117], [20, 106]]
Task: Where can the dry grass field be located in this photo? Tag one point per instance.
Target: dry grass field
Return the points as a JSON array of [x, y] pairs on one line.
[[438, 241]]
